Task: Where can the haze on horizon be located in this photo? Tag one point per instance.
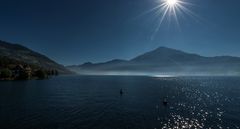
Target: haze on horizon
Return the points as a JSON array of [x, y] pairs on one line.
[[74, 32]]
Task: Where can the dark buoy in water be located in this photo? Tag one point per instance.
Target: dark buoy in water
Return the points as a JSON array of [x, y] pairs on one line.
[[165, 102], [121, 92]]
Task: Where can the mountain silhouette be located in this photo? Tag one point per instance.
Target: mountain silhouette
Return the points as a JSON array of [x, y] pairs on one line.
[[164, 60], [20, 54]]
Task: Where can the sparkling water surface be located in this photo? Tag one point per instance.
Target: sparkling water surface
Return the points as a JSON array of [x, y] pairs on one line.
[[94, 102]]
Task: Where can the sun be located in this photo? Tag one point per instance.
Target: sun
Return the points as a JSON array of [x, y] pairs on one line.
[[171, 2], [168, 11]]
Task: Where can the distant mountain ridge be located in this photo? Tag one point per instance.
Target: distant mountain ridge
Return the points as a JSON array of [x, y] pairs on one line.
[[23, 54], [164, 60]]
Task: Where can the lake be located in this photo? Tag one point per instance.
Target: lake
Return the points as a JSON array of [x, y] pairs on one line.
[[94, 102]]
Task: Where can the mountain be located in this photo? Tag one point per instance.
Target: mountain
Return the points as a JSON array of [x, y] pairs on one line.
[[22, 55], [164, 61]]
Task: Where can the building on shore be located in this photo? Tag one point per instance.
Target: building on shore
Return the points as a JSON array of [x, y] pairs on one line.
[[22, 72]]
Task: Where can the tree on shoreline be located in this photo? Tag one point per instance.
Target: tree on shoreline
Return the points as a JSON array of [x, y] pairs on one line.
[[41, 74], [5, 73]]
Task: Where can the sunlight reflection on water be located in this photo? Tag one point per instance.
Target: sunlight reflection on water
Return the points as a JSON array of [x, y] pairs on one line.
[[94, 102], [197, 107]]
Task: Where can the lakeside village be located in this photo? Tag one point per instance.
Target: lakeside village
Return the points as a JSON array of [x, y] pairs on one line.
[[25, 72]]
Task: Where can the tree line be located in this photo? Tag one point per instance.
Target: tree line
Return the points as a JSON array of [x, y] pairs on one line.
[[11, 69]]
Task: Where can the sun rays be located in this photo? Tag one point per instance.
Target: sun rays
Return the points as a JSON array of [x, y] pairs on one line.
[[169, 11]]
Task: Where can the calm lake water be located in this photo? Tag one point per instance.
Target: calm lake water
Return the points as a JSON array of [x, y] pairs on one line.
[[94, 102]]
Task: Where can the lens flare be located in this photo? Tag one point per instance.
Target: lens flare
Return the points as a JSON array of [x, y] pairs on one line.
[[171, 2], [171, 10]]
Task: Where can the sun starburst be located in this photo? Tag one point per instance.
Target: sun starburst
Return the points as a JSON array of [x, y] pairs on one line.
[[171, 2], [170, 9]]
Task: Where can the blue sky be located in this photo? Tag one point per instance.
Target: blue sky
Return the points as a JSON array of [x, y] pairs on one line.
[[77, 31]]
